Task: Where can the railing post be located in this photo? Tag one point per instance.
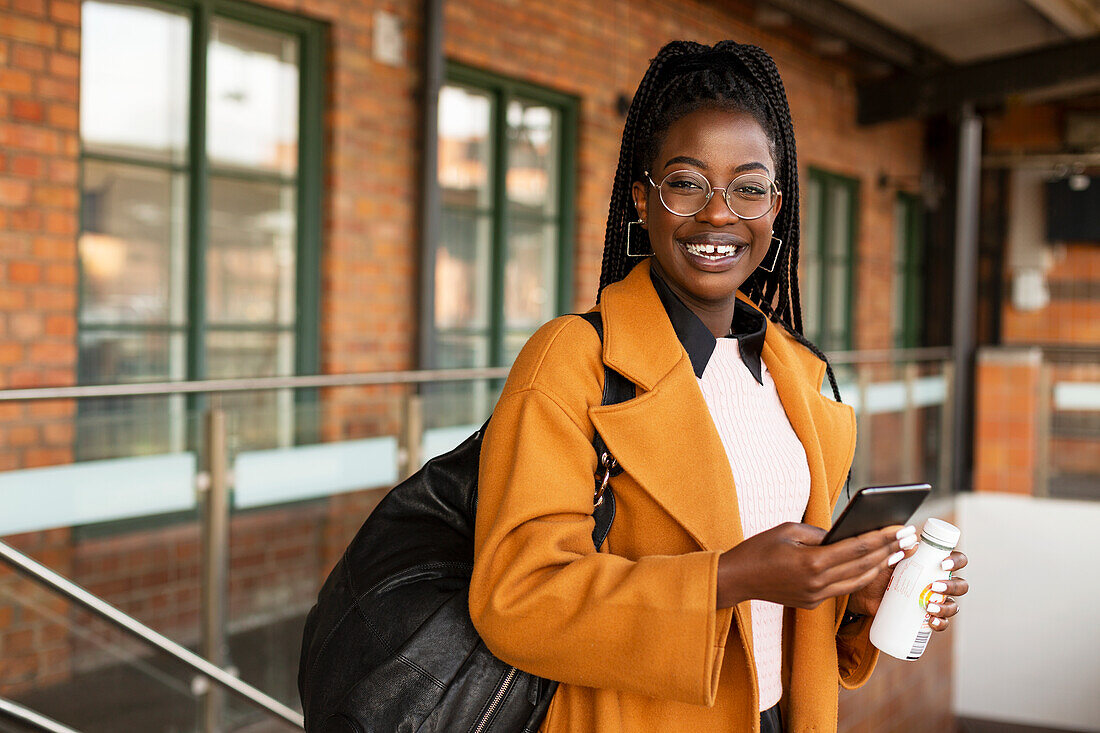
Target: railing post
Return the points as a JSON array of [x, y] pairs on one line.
[[411, 434], [1043, 430], [215, 557], [947, 422], [909, 425], [862, 472]]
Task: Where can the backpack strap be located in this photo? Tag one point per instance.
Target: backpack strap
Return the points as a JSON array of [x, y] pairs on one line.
[[616, 389]]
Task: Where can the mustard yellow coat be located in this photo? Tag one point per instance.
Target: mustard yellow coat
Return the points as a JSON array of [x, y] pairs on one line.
[[631, 631]]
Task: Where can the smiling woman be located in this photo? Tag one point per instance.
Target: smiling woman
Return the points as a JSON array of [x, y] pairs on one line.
[[712, 604]]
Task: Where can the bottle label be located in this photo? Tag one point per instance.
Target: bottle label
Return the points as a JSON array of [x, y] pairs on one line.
[[921, 641]]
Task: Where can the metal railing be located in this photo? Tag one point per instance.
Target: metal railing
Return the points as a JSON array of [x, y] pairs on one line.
[[27, 717], [215, 478]]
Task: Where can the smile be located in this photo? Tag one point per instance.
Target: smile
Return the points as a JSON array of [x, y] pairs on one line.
[[713, 251]]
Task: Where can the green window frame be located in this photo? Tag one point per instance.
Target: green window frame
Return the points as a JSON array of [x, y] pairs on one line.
[[502, 92], [829, 235], [908, 311], [198, 171]]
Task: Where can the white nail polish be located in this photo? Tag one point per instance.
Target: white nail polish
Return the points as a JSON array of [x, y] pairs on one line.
[[906, 532], [907, 542], [937, 622], [947, 564], [895, 558], [939, 586], [932, 608], [935, 598]]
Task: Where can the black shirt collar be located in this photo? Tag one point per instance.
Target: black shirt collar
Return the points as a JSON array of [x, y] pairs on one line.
[[749, 326]]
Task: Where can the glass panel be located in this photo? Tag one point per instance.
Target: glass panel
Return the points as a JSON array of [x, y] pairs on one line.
[[839, 248], [901, 247], [530, 275], [112, 427], [133, 261], [261, 419], [134, 80], [811, 259], [465, 150], [463, 262], [252, 98], [251, 257], [460, 350], [534, 142]]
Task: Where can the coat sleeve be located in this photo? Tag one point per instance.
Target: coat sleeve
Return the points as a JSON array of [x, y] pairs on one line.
[[856, 655], [541, 597]]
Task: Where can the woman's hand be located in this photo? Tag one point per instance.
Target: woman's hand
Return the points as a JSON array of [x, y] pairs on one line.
[[942, 611], [941, 607], [788, 565]]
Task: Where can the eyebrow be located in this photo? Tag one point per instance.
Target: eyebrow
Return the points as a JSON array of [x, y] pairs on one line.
[[754, 165]]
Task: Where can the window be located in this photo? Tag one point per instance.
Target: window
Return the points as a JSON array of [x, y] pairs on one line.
[[502, 264], [199, 213], [908, 266], [828, 259]]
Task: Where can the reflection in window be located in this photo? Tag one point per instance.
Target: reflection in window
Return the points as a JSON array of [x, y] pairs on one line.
[[138, 316]]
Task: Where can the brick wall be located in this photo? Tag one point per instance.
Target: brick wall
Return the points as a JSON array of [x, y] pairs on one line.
[[594, 50], [1006, 426]]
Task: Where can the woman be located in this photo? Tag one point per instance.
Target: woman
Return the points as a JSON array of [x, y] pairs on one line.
[[711, 606]]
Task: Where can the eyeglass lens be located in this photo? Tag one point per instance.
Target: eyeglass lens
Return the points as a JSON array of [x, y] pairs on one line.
[[686, 193]]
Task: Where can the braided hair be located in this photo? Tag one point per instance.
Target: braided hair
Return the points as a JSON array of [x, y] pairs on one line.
[[685, 77]]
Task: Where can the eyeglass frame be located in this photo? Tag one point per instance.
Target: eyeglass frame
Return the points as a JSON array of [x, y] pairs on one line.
[[776, 192]]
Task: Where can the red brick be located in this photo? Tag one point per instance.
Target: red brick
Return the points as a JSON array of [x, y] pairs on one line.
[[60, 326], [64, 65], [10, 353], [25, 29], [26, 166], [70, 40], [26, 110], [14, 192], [31, 58], [27, 273], [64, 116], [66, 12], [16, 82], [34, 8]]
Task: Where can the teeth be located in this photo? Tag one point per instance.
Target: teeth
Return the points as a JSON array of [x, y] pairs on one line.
[[713, 251]]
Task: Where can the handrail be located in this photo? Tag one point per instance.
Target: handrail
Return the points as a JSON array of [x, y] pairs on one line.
[[59, 584], [318, 381], [29, 717], [255, 383]]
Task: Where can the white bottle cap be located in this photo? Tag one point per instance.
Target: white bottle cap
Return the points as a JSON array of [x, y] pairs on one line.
[[941, 533]]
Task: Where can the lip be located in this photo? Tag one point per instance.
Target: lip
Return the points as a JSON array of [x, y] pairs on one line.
[[717, 239]]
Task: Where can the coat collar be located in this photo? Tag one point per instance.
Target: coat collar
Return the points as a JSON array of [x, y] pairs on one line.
[[665, 438]]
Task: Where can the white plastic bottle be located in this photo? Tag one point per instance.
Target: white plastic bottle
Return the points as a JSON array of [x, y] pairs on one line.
[[901, 628]]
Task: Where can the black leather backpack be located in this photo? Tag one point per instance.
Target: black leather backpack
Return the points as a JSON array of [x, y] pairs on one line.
[[389, 647]]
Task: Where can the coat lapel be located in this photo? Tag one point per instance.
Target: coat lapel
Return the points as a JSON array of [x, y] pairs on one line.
[[664, 438]]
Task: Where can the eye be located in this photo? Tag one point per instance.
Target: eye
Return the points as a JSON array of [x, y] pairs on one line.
[[751, 191]]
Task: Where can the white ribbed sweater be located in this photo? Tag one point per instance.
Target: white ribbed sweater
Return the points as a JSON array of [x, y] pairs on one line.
[[771, 476]]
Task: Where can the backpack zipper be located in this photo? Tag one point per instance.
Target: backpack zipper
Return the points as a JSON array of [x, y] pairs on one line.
[[490, 711]]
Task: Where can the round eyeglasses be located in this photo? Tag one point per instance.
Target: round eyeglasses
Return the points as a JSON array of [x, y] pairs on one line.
[[686, 193]]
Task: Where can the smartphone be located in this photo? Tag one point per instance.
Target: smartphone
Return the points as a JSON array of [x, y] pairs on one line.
[[875, 507]]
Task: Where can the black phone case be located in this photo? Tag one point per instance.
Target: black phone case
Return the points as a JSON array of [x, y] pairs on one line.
[[875, 507]]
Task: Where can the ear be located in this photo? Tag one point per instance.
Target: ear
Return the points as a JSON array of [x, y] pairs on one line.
[[640, 193]]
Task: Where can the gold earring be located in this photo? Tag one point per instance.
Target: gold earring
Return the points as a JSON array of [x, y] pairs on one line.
[[778, 244], [629, 229]]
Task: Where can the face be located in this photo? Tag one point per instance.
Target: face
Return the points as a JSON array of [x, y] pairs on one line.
[[720, 145]]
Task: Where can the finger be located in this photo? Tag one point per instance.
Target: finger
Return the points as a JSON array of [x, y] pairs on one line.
[[938, 624], [951, 586], [806, 534], [850, 585], [867, 543], [945, 609], [955, 561]]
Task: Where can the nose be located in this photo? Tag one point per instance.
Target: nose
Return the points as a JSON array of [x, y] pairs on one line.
[[717, 212]]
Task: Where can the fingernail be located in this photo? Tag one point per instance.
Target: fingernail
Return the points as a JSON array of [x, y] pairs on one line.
[[939, 586], [907, 542], [935, 598], [947, 564], [937, 622], [895, 558], [906, 531], [933, 608]]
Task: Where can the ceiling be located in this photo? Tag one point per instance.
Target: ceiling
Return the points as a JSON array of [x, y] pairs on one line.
[[965, 31]]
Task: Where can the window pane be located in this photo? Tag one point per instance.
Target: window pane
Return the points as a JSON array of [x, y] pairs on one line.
[[530, 275], [112, 427], [465, 152], [134, 80], [811, 262], [133, 261], [250, 260], [463, 262], [252, 98], [837, 287], [260, 419], [461, 350], [901, 229], [534, 141]]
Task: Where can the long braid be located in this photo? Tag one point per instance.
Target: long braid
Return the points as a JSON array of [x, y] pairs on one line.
[[685, 76]]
